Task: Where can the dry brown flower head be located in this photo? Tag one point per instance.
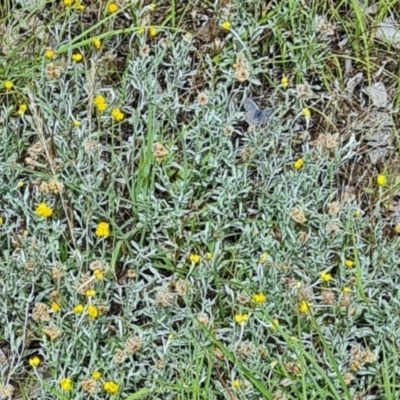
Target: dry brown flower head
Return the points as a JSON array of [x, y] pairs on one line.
[[133, 344], [298, 216], [40, 313]]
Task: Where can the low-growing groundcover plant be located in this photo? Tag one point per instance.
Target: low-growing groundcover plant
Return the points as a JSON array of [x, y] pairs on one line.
[[154, 245]]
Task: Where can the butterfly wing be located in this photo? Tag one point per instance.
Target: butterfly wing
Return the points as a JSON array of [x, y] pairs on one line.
[[254, 115], [252, 112]]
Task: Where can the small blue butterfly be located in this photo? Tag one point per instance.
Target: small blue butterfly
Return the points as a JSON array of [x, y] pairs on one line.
[[254, 115]]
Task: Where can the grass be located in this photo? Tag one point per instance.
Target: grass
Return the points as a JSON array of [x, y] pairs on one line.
[[179, 253]]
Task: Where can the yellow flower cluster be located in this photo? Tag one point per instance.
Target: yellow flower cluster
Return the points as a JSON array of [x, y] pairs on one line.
[[100, 103]]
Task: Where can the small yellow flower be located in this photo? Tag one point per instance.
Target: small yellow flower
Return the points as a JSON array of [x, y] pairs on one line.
[[152, 7], [55, 307], [43, 210], [80, 7], [112, 8], [103, 230], [241, 318], [76, 123], [381, 180], [307, 112], [90, 293], [98, 274], [8, 85], [304, 307], [349, 263], [110, 387], [22, 109], [34, 361], [1, 221], [78, 309], [274, 325], [263, 258], [236, 384], [153, 32], [325, 277], [357, 213], [68, 2], [346, 290], [226, 26], [49, 54], [397, 228], [298, 164], [96, 43], [170, 336], [20, 184], [208, 256], [66, 384], [92, 311], [285, 82], [77, 57], [194, 258], [117, 114], [100, 103], [96, 375], [259, 298], [140, 31]]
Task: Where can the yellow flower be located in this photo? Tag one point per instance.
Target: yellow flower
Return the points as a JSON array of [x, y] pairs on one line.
[[78, 309], [304, 307], [80, 7], [349, 263], [100, 103], [76, 123], [284, 82], [112, 8], [346, 290], [153, 32], [43, 210], [1, 221], [49, 54], [298, 163], [55, 307], [263, 258], [381, 180], [117, 114], [241, 318], [152, 7], [66, 384], [98, 274], [194, 258], [90, 293], [103, 230], [140, 31], [92, 311], [274, 325], [325, 277], [77, 57], [22, 109], [357, 213], [110, 387], [170, 336], [68, 2], [96, 375], [259, 298], [8, 85], [34, 361], [208, 256], [226, 26], [96, 43], [20, 184], [306, 112], [236, 384]]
